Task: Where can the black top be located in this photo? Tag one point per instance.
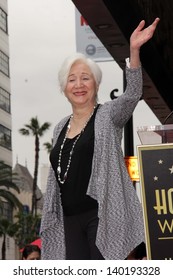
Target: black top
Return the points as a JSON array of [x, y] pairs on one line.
[[73, 191]]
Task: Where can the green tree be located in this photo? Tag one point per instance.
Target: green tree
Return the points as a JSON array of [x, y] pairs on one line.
[[6, 184], [7, 228], [48, 146], [35, 129], [28, 227]]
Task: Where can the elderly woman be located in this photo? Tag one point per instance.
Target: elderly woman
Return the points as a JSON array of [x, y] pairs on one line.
[[91, 210]]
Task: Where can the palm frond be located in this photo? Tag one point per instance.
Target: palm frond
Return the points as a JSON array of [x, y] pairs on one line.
[[7, 227], [10, 197], [43, 128], [24, 131], [9, 185], [48, 146], [34, 123]]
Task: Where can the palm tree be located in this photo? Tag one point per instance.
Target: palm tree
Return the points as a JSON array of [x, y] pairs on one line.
[[48, 146], [28, 228], [6, 184], [36, 130], [6, 228]]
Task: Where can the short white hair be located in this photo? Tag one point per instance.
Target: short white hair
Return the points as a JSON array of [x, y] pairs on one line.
[[69, 61]]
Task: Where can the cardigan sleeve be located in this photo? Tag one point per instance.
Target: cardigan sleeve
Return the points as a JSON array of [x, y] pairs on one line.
[[123, 106]]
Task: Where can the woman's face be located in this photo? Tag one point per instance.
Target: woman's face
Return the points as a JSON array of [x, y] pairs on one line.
[[81, 87]]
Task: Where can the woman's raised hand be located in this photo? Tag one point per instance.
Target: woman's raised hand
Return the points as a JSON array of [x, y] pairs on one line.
[[141, 35]]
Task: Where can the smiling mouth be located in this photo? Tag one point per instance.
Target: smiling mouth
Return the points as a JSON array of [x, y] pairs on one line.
[[80, 93]]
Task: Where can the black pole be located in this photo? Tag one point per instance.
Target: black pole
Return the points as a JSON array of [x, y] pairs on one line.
[[128, 128], [128, 138]]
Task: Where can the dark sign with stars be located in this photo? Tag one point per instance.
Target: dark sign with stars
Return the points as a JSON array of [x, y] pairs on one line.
[[156, 176]]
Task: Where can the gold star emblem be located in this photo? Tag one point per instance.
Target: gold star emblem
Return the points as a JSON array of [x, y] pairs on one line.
[[155, 178], [160, 161]]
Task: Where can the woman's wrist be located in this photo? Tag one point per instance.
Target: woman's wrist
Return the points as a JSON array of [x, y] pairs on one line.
[[134, 58]]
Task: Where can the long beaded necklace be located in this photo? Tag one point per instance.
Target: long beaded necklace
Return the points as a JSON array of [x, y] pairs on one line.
[[62, 181]]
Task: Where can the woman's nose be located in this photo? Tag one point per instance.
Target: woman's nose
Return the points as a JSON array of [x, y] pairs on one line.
[[78, 83]]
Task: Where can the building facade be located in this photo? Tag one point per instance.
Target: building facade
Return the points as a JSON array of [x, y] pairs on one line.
[[5, 113], [5, 91], [24, 181]]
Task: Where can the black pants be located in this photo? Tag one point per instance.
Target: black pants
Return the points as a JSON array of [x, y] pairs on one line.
[[80, 236]]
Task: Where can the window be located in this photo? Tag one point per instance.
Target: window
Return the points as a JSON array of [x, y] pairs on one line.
[[6, 211], [4, 63], [5, 100], [25, 209], [5, 137], [3, 21]]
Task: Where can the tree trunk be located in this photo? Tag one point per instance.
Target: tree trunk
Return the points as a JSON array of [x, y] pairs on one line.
[[34, 199], [4, 247]]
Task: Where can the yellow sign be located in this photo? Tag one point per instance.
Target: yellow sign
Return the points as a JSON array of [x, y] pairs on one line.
[[132, 167]]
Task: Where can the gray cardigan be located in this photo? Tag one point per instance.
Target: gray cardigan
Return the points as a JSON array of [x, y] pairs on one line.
[[120, 227]]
